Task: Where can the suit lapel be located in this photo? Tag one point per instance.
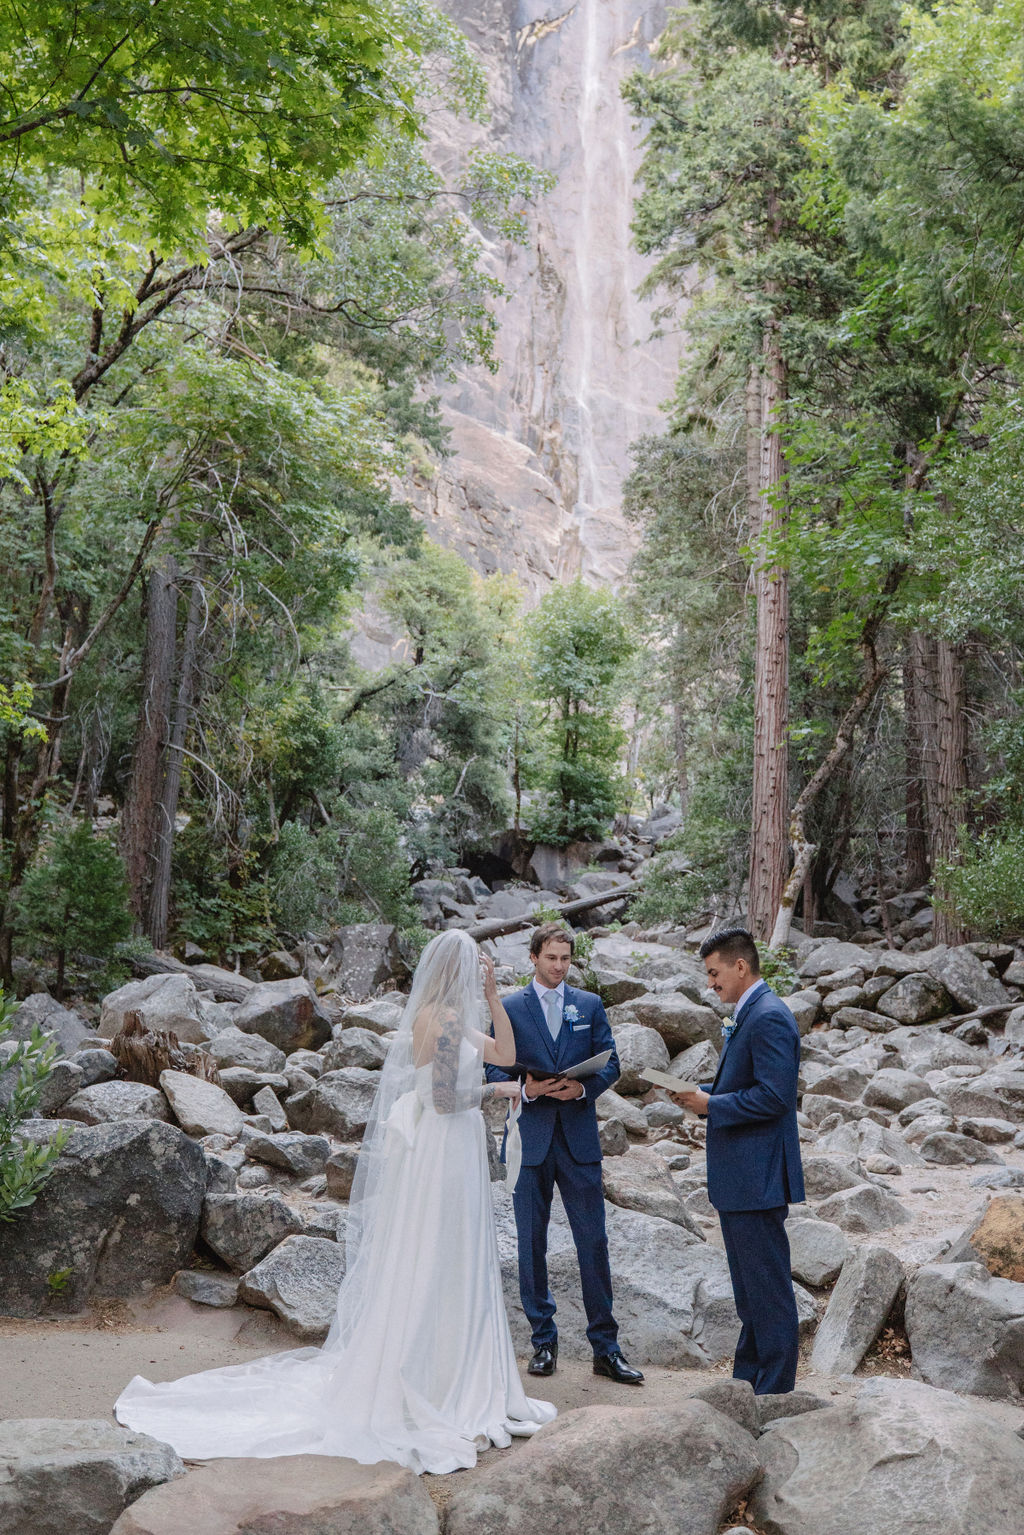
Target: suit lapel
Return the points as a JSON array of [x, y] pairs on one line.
[[565, 1037], [750, 1008], [540, 1023]]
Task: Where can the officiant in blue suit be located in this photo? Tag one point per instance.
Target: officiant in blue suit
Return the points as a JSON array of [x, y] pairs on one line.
[[556, 1026], [753, 1152]]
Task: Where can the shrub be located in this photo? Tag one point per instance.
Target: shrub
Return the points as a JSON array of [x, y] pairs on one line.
[[982, 885], [73, 907], [24, 1165]]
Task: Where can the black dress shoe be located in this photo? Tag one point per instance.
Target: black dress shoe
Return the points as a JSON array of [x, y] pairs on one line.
[[616, 1368], [544, 1360]]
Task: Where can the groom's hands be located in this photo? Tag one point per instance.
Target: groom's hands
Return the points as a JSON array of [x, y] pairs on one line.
[[697, 1101], [562, 1088]]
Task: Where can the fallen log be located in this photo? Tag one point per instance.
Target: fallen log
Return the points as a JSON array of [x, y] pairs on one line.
[[497, 927]]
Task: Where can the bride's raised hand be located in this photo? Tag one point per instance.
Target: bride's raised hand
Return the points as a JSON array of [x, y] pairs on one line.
[[490, 983]]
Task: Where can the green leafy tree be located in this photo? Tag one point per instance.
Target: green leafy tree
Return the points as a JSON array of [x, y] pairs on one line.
[[73, 905]]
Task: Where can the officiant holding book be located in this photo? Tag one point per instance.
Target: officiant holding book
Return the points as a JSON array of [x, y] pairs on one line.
[[558, 1027]]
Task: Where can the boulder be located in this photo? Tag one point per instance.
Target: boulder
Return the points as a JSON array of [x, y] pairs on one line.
[[363, 957], [864, 1210], [966, 979], [899, 1456], [279, 965], [817, 1250], [604, 1470], [299, 1282], [64, 1079], [841, 996], [224, 985], [301, 1156], [994, 1132], [381, 1017], [916, 998], [995, 1094], [862, 1018], [338, 1104], [948, 1149], [242, 1228], [118, 1216], [734, 1398], [96, 1066], [866, 1139], [613, 1138], [640, 1180], [827, 957], [200, 1107], [73, 1476], [354, 1047], [1013, 1032], [165, 1002], [285, 1495], [966, 1329], [697, 1064], [857, 1310], [615, 986], [242, 1083], [827, 1175], [611, 1105], [204, 1287], [107, 1102], [819, 1107], [235, 1047], [893, 1089], [637, 1047], [287, 1013], [340, 1168], [995, 1238], [805, 1005], [843, 1081], [267, 1105], [65, 1028], [787, 1404], [678, 1020]]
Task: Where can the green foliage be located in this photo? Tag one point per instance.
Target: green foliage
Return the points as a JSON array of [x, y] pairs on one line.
[[982, 884], [73, 907], [24, 1165], [778, 970], [578, 643]]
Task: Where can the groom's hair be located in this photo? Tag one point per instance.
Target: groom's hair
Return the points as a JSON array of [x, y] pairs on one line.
[[546, 932], [732, 943]]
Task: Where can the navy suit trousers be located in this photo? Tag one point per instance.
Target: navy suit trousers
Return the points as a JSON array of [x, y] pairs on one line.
[[757, 1248], [579, 1184]]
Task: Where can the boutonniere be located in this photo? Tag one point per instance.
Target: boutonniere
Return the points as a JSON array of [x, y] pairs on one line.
[[571, 1013], [728, 1028]]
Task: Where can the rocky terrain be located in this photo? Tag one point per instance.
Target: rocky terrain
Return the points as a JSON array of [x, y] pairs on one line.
[[908, 1256]]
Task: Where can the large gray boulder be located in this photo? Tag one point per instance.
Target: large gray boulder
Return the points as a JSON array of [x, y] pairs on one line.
[[894, 1090], [242, 1228], [825, 1175], [866, 1139], [287, 1013], [234, 1047], [604, 1470], [857, 1310], [65, 1028], [640, 1180], [843, 1081], [829, 956], [611, 1105], [864, 1210], [966, 979], [364, 957], [697, 1064], [900, 1456], [165, 1002], [299, 1282], [105, 1103], [915, 999], [354, 1047], [119, 1215], [286, 1495], [200, 1107], [381, 1017], [64, 1079], [301, 1156], [338, 1104], [948, 1149], [966, 1329], [73, 1476], [637, 1047], [817, 1250], [680, 1021], [805, 1005], [995, 1094]]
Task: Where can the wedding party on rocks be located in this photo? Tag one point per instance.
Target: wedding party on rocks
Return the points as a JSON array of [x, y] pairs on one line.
[[512, 792]]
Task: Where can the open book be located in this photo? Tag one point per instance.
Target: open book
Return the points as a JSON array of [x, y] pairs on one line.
[[587, 1068]]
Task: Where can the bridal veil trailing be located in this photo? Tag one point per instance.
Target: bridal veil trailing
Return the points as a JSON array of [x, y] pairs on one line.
[[418, 1366]]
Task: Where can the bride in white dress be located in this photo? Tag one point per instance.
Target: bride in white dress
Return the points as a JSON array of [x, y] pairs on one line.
[[418, 1366]]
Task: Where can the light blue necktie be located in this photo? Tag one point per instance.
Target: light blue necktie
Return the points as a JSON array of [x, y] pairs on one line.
[[554, 1014]]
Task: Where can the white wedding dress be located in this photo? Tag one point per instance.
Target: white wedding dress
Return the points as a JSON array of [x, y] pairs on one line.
[[418, 1367]]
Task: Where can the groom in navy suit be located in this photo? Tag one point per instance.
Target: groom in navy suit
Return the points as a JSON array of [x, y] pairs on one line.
[[555, 1027], [753, 1147]]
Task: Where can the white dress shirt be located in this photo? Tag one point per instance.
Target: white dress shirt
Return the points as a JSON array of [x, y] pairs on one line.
[[541, 993]]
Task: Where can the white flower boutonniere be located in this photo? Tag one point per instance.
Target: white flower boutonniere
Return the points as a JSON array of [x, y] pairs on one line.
[[571, 1013]]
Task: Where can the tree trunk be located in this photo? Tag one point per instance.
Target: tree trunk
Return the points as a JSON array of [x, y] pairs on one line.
[[679, 741], [142, 811], [951, 779], [160, 887], [770, 799], [917, 870]]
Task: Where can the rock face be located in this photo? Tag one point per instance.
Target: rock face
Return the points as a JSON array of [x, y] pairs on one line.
[[363, 957], [119, 1216], [638, 1047], [966, 1329], [900, 1457], [680, 1022], [640, 1180], [232, 1047], [68, 1031], [286, 1013], [242, 1228], [603, 1470], [857, 1310], [201, 1108], [289, 1495], [966, 979], [339, 1103], [165, 1002], [107, 1102], [299, 1282], [864, 1209], [64, 1475]]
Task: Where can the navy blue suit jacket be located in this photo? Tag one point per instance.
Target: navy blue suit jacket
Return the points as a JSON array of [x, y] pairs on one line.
[[585, 1034], [753, 1145]]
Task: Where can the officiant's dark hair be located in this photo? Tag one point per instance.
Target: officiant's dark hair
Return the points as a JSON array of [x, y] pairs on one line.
[[733, 943], [545, 933]]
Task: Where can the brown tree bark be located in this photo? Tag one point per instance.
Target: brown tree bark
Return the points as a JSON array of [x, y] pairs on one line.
[[160, 887], [917, 870], [951, 777], [769, 844], [140, 824]]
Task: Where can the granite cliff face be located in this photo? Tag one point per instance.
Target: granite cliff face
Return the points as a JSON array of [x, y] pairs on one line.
[[540, 448]]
